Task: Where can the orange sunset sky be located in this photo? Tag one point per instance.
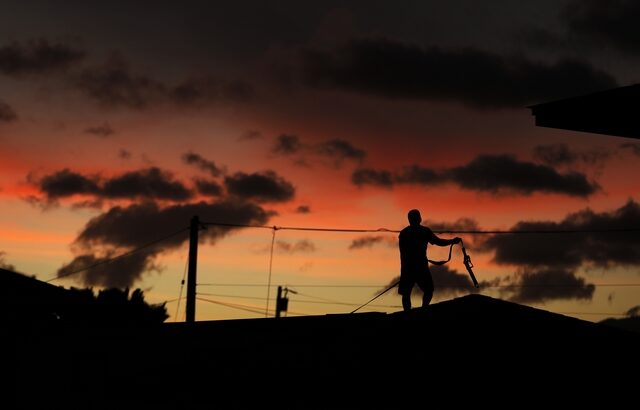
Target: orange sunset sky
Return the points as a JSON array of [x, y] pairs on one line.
[[120, 121]]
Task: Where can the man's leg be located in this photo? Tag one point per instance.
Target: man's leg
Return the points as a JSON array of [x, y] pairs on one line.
[[426, 284], [405, 287], [426, 297], [406, 301]]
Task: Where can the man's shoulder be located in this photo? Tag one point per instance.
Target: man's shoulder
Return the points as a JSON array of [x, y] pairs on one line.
[[416, 230]]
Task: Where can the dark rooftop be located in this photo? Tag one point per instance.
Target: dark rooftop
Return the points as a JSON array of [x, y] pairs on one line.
[[471, 349], [610, 112]]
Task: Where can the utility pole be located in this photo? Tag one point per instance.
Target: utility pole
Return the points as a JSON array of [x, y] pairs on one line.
[[193, 266], [282, 303]]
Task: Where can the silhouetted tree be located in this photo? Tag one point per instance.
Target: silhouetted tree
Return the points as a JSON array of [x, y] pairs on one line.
[[112, 306]]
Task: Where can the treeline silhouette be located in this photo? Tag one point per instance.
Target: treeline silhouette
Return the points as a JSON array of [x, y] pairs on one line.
[[117, 307], [111, 307]]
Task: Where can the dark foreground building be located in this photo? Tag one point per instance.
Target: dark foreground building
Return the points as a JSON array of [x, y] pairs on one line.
[[470, 351]]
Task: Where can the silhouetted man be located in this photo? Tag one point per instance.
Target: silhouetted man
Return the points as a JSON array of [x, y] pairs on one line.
[[414, 266]]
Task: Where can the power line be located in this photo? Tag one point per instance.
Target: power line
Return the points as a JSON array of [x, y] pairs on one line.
[[321, 301], [173, 300], [292, 228], [329, 302], [249, 308], [296, 292], [439, 286], [339, 303], [122, 255], [297, 286], [593, 313], [453, 231], [334, 302], [184, 275], [232, 305], [232, 296]]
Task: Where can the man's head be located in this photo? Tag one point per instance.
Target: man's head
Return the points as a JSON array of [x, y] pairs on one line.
[[414, 217]]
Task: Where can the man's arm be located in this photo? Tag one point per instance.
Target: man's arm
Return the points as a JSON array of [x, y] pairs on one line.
[[436, 240]]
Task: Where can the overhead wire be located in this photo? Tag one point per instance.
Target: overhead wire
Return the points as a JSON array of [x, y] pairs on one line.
[[440, 286], [231, 305], [184, 275], [335, 302], [231, 296], [252, 309], [456, 231], [340, 303], [275, 228]]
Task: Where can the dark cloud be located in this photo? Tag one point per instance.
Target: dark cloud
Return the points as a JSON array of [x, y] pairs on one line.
[[150, 183], [524, 287], [540, 38], [447, 282], [494, 173], [88, 203], [122, 229], [612, 23], [303, 209], [556, 155], [208, 187], [7, 113], [37, 57], [124, 154], [555, 251], [633, 312], [206, 165], [113, 84], [120, 273], [339, 150], [540, 286], [415, 174], [250, 135], [4, 264], [146, 183], [634, 147], [67, 183], [486, 173], [287, 145], [369, 241], [476, 78], [200, 91], [103, 130], [461, 224], [264, 186], [301, 246], [369, 176], [336, 150]]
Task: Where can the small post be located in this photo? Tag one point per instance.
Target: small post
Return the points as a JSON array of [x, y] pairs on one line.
[[278, 303], [193, 266]]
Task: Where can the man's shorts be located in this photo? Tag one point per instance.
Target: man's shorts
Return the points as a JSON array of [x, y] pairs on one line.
[[410, 278]]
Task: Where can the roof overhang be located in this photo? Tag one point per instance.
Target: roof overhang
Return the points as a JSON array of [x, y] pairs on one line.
[[611, 112]]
